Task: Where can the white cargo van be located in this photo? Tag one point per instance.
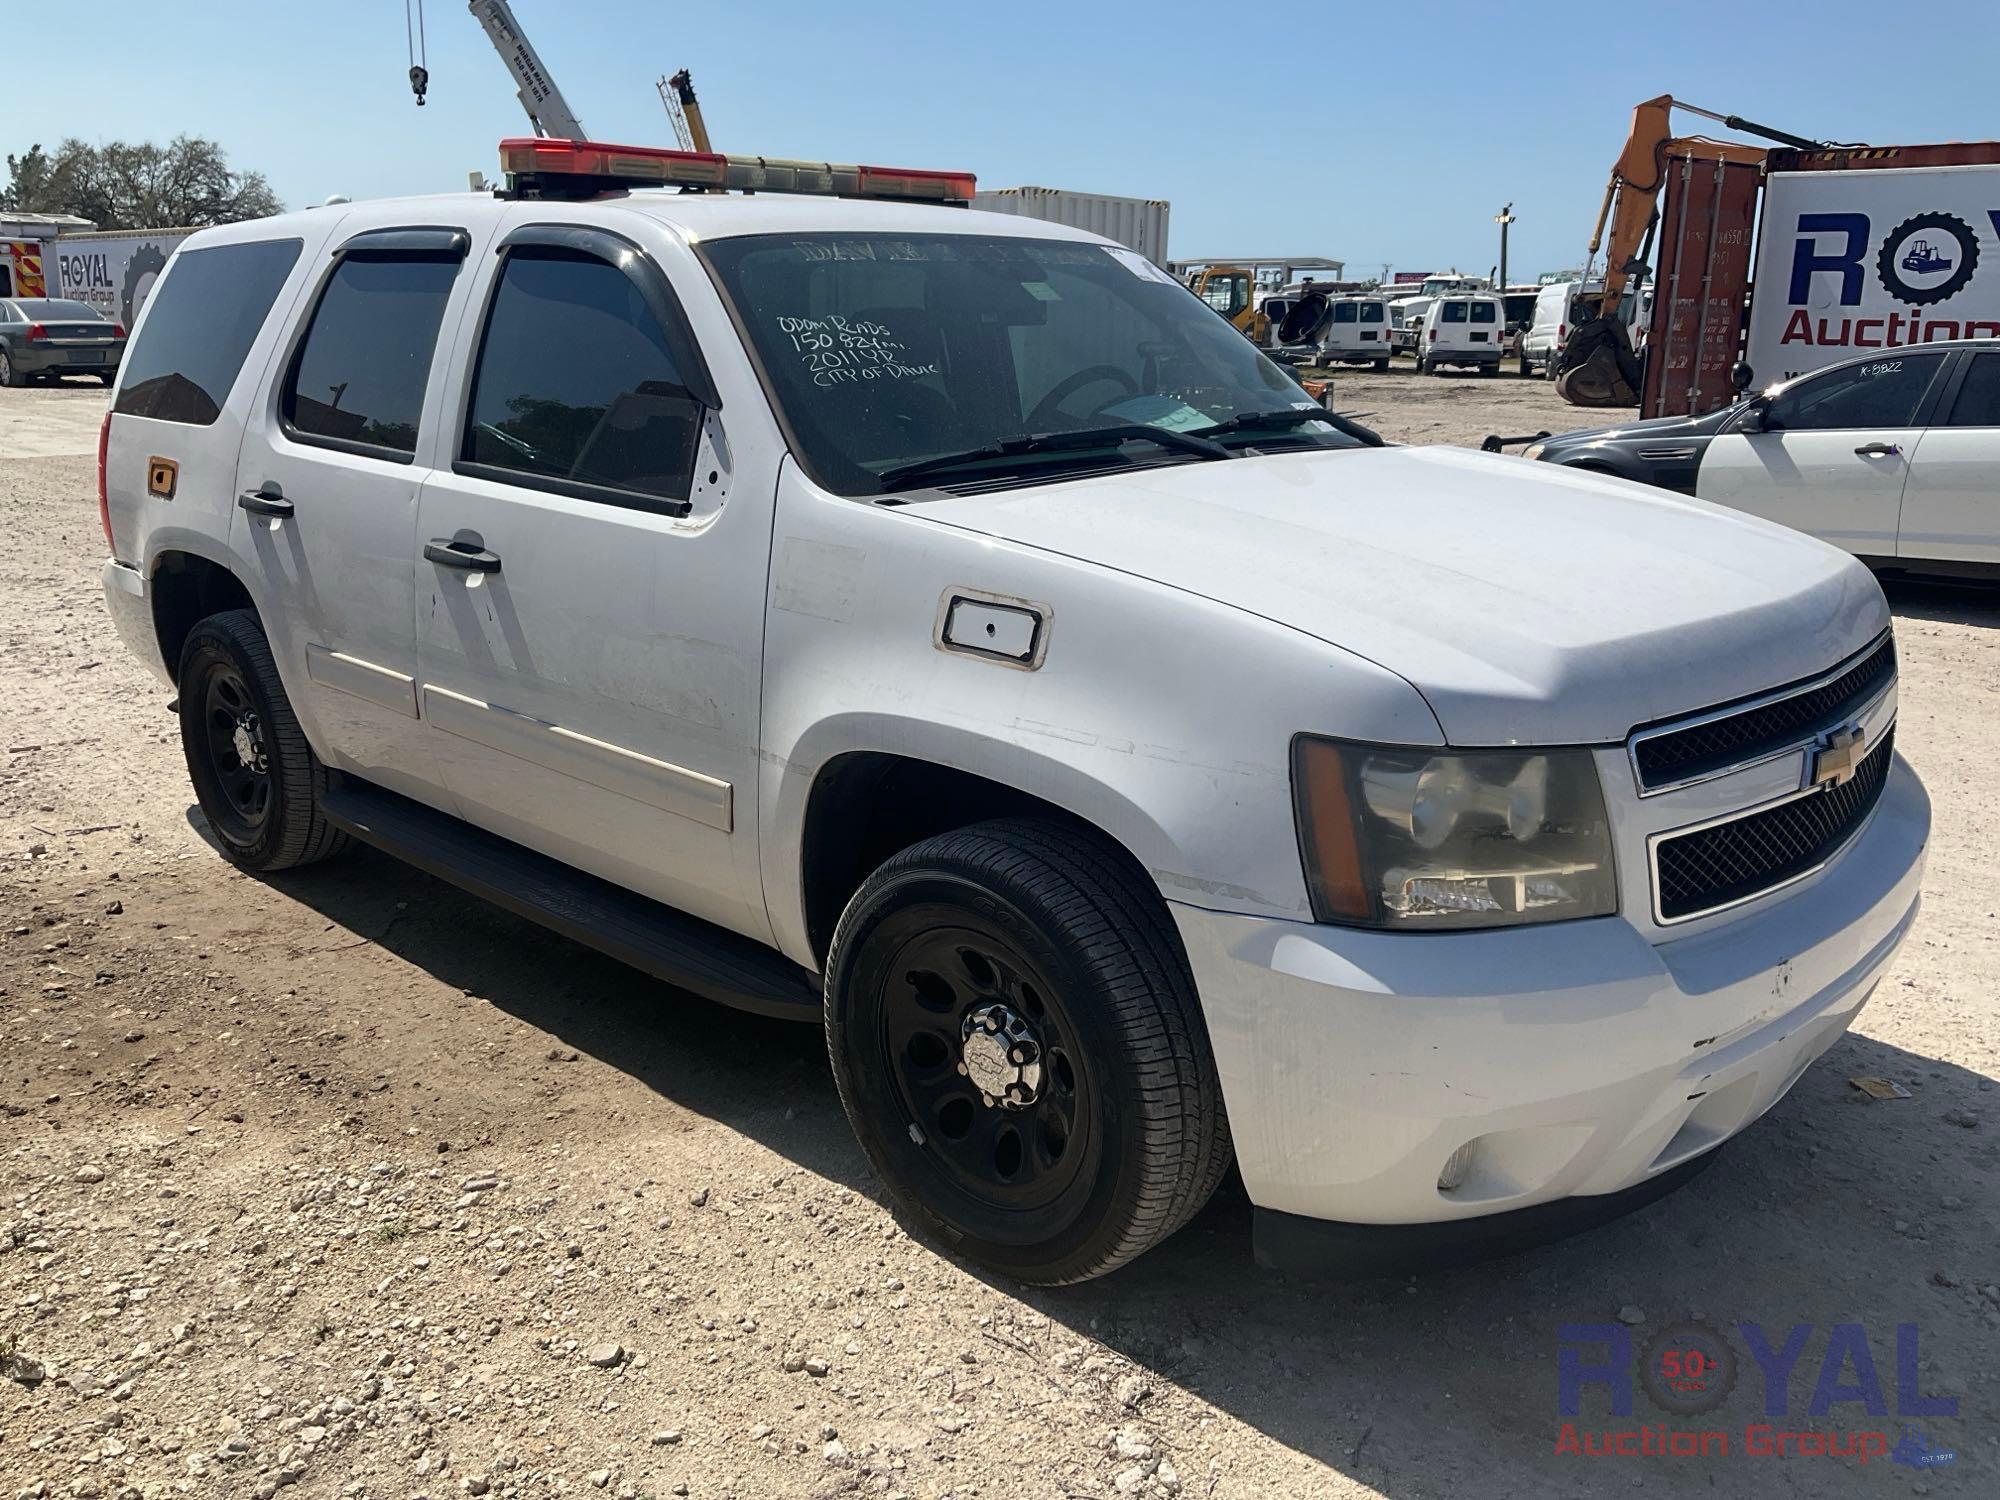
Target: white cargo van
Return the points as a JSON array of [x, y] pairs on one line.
[[1356, 332], [1462, 330], [1555, 314]]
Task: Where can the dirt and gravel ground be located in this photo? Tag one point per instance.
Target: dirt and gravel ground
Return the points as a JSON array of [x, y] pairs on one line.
[[345, 1182]]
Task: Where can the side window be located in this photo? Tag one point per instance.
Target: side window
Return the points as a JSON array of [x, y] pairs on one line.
[[1880, 393], [575, 387], [1454, 312], [201, 320], [1346, 312], [358, 379], [1978, 401]]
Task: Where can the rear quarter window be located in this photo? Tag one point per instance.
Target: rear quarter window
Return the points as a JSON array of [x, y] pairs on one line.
[[200, 323]]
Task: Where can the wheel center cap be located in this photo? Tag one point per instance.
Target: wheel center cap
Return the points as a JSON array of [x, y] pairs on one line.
[[1002, 1057], [244, 739]]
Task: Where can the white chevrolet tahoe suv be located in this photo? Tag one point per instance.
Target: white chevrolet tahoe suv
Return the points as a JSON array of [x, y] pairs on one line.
[[943, 625]]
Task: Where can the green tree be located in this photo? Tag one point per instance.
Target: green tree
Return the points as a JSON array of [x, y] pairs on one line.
[[27, 182], [121, 185]]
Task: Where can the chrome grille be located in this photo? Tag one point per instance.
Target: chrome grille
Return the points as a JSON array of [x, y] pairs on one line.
[[1772, 723], [1709, 868]]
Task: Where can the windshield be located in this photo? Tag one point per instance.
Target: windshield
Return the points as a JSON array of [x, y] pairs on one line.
[[886, 353]]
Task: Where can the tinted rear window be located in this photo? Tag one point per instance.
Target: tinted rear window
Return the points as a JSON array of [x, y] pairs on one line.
[[200, 322], [1454, 312], [1371, 312], [1485, 312], [359, 377], [39, 308], [1978, 403], [1345, 312]]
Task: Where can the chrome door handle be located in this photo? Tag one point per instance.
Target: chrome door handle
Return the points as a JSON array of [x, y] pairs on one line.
[[1878, 450], [264, 503], [450, 554]]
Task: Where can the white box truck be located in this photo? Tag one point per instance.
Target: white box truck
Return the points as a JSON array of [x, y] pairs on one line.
[[1873, 258], [1136, 223], [112, 270]]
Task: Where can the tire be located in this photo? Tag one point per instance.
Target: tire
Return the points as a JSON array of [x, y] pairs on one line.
[[1526, 368], [11, 374], [257, 780], [1381, 365], [107, 380], [1115, 1136], [1423, 365]]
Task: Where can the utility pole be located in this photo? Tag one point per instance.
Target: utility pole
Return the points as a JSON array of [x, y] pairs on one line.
[[1503, 219]]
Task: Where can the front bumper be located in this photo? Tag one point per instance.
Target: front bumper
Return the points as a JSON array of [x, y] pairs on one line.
[[1577, 1059]]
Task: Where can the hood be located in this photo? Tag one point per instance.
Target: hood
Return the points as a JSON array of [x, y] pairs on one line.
[[1643, 427], [1528, 603]]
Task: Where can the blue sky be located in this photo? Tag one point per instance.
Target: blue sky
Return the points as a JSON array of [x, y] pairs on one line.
[[1303, 136]]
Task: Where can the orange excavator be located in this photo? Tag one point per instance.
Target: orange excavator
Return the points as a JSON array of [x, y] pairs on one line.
[[1598, 366]]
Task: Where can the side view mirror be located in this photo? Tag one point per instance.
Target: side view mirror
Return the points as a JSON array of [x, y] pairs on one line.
[[1752, 419], [1740, 377]]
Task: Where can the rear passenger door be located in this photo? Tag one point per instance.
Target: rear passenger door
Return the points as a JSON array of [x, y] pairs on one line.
[[1951, 502], [591, 604], [327, 495]]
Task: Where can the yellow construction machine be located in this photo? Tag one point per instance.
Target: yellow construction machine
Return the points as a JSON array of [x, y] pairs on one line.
[[1598, 366]]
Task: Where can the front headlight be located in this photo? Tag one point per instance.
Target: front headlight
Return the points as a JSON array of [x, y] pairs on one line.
[[1533, 450], [1420, 840]]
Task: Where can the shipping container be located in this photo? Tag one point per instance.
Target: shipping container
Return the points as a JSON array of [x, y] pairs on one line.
[[1856, 248], [1136, 223]]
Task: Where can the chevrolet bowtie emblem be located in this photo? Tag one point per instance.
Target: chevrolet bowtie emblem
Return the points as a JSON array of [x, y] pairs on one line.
[[1836, 756]]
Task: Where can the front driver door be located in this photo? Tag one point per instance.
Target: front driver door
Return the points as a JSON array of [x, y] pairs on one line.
[[1833, 454], [591, 589]]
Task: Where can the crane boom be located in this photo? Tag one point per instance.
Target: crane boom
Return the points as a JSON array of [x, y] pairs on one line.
[[547, 110]]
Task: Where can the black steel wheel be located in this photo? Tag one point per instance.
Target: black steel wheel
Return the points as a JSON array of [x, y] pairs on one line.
[[1019, 1048], [237, 759], [256, 778], [985, 1060]]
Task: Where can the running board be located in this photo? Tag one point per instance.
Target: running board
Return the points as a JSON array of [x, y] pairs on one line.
[[685, 951]]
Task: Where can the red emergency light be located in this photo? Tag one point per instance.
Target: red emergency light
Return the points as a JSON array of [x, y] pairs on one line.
[[549, 167]]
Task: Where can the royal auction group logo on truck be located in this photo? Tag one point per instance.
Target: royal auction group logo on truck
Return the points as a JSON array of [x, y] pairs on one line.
[[1928, 258], [1875, 259]]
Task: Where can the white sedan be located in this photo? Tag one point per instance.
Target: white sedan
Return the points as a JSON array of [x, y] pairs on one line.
[[1894, 456]]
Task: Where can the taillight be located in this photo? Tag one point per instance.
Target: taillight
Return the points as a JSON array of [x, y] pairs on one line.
[[103, 490], [1562, 330], [36, 333], [1434, 335], [118, 330]]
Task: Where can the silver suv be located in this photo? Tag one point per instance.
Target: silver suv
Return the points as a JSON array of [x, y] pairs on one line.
[[943, 626]]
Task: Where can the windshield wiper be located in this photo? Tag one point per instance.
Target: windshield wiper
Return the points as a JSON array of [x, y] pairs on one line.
[[1295, 416], [1032, 443]]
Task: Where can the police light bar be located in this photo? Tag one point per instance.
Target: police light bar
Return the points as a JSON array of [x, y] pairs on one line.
[[549, 167]]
